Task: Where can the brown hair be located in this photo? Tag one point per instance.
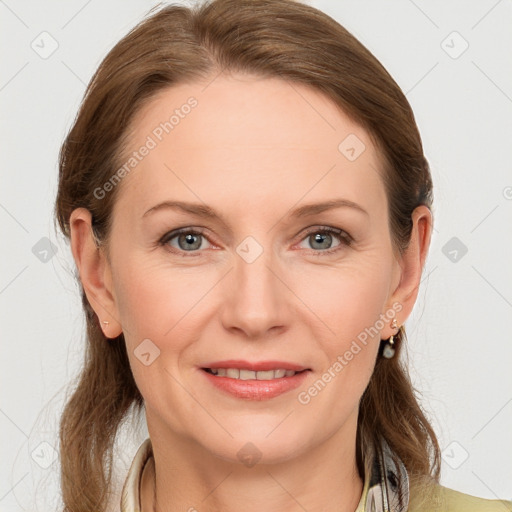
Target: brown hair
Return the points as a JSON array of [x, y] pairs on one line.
[[269, 38]]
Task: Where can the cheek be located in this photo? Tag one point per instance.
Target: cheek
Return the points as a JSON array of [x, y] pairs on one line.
[[154, 304], [167, 306], [348, 304], [346, 299], [152, 299]]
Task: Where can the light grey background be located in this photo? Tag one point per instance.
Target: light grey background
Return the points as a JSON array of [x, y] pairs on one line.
[[460, 343]]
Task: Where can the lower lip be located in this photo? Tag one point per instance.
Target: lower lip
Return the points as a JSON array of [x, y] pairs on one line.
[[256, 389]]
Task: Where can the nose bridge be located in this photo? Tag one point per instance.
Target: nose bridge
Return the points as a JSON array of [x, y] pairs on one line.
[[256, 295], [252, 268]]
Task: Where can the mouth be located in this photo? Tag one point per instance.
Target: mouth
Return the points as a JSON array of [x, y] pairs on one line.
[[243, 374], [259, 380]]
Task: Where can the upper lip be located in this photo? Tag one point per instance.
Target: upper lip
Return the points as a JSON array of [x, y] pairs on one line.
[[256, 366]]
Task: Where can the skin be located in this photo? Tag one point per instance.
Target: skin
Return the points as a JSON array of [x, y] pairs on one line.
[[253, 149]]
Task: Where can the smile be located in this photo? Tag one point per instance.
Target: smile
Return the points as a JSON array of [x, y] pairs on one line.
[[254, 385], [236, 373]]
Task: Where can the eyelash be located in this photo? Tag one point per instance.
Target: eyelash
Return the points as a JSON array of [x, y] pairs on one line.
[[345, 239]]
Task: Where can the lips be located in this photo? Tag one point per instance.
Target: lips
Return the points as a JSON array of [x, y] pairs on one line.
[[255, 381]]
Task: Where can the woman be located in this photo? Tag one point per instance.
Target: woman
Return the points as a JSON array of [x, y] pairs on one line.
[[249, 209]]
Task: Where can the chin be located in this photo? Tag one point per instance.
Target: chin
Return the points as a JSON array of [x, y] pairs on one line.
[[265, 445]]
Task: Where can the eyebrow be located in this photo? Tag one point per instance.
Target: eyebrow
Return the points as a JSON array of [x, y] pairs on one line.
[[202, 210]]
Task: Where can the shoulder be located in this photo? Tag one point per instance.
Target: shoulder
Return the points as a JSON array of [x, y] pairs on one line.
[[443, 499]]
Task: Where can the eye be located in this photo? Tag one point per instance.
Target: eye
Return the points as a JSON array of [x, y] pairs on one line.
[[187, 240], [321, 239]]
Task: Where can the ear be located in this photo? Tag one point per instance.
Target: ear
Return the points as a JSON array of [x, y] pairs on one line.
[[94, 271], [409, 268]]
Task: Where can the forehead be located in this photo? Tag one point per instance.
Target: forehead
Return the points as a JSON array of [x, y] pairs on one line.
[[248, 139]]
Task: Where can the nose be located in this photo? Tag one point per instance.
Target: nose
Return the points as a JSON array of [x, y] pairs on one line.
[[256, 297]]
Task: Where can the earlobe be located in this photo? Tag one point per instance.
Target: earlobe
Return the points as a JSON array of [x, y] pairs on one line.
[[93, 269], [412, 263]]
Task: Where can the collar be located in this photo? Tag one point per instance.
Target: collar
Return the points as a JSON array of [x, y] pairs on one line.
[[386, 484]]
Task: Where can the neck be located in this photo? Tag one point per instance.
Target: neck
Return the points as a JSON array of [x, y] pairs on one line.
[[324, 479]]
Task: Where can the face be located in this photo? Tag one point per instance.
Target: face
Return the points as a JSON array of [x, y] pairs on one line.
[[253, 276]]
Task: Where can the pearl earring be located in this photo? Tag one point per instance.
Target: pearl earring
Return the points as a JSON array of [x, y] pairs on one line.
[[389, 347]]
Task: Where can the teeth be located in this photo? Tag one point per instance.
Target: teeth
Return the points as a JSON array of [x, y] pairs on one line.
[[266, 375], [247, 374], [235, 373]]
